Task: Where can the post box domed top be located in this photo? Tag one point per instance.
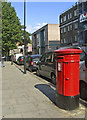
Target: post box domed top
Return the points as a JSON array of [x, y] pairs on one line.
[[68, 51]]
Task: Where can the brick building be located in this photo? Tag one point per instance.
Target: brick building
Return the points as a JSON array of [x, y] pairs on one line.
[[69, 26]]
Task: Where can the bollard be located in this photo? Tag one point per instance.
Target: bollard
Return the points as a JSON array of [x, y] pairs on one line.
[[2, 62]]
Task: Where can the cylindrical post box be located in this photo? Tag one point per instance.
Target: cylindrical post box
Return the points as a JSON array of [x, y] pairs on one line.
[[67, 78]]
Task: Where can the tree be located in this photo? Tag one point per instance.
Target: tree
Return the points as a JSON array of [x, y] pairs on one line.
[[27, 36], [11, 28]]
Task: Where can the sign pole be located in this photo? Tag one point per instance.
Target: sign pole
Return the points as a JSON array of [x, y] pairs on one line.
[[24, 38]]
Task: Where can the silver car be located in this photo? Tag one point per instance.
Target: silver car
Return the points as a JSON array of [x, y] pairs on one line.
[[83, 79]]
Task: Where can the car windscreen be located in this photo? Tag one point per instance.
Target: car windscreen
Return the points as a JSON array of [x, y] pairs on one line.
[[35, 58]]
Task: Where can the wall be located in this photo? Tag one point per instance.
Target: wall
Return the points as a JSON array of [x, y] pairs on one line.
[[69, 36], [46, 34], [53, 32]]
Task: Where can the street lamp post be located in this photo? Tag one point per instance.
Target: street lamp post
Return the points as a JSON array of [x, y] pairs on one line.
[[24, 37]]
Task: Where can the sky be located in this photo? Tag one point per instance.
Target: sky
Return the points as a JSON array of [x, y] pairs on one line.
[[39, 14]]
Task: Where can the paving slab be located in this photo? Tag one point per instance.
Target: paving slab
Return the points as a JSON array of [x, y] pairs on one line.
[[30, 96]]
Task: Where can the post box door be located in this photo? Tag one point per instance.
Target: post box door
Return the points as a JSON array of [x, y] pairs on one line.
[[71, 78], [60, 75]]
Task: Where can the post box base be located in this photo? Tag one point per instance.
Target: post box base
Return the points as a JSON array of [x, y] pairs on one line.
[[67, 102]]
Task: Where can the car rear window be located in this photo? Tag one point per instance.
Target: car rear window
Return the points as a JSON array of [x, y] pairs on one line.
[[36, 57], [22, 57]]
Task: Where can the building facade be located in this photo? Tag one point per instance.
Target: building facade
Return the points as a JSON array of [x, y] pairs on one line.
[[69, 26], [83, 23], [46, 39]]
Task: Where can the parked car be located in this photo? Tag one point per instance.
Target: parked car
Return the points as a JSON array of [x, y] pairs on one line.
[[31, 61], [46, 66], [83, 79], [16, 56], [20, 60]]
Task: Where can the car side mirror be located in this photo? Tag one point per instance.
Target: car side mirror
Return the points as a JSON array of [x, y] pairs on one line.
[[86, 61], [38, 62]]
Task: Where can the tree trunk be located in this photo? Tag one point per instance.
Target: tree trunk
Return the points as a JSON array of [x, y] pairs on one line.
[[8, 55], [8, 52]]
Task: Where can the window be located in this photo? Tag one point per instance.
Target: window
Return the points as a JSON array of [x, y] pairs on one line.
[[61, 20], [76, 38], [70, 15], [53, 58], [43, 58], [37, 35], [48, 57], [75, 25], [64, 40], [64, 18], [61, 40], [71, 39], [44, 35], [64, 29], [85, 5], [61, 30], [68, 28], [75, 12], [80, 8], [38, 39]]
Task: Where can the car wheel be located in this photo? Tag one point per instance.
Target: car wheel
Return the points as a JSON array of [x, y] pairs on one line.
[[53, 78], [83, 90], [37, 72], [30, 69]]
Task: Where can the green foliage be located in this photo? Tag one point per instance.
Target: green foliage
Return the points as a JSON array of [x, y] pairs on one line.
[[12, 30], [27, 36], [11, 27]]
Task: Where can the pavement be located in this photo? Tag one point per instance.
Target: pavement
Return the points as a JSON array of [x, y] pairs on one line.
[[30, 96]]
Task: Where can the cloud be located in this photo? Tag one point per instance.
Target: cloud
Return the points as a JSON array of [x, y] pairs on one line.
[[39, 24], [37, 27], [31, 29], [44, 24]]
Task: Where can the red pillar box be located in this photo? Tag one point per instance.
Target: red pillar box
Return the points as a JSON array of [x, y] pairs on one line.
[[67, 78]]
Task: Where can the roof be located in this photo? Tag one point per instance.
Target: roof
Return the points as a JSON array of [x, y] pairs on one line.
[[74, 6]]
